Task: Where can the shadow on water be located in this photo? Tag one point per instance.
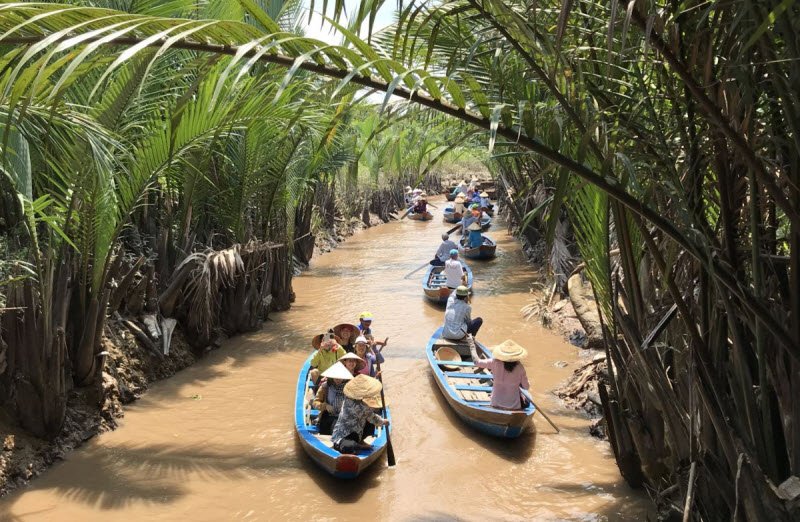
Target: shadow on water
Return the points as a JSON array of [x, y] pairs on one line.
[[113, 478], [517, 450], [341, 491]]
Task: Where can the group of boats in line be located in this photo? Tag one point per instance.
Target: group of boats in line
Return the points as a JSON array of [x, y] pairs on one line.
[[466, 388]]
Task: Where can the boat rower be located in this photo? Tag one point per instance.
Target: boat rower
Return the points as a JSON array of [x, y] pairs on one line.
[[443, 253]]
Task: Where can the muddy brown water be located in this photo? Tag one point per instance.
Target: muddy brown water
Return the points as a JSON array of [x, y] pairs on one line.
[[217, 441]]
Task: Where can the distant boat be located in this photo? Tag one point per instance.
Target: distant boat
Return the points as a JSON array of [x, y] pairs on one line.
[[486, 251], [467, 389], [434, 287], [319, 447], [450, 216], [426, 216], [486, 222]]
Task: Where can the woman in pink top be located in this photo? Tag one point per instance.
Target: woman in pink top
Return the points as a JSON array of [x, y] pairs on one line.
[[507, 372]]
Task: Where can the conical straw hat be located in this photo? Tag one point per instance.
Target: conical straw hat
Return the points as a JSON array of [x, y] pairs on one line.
[[351, 355], [509, 351], [474, 226], [364, 388], [338, 371]]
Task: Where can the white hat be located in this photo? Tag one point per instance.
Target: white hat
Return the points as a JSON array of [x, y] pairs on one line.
[[361, 339], [338, 371], [509, 351]]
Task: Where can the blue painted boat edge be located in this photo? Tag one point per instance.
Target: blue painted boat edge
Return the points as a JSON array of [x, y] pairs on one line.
[[490, 428], [312, 441]]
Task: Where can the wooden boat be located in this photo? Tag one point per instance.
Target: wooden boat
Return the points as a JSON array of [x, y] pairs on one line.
[[467, 389], [449, 216], [486, 251], [434, 287], [427, 216], [450, 196], [486, 222], [489, 211], [319, 447]]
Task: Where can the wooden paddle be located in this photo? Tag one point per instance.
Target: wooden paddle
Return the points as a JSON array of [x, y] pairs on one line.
[[454, 228], [545, 416], [389, 450], [416, 270], [407, 211]]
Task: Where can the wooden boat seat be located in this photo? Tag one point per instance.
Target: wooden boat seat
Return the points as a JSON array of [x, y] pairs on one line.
[[469, 387], [456, 375], [456, 363], [460, 346]]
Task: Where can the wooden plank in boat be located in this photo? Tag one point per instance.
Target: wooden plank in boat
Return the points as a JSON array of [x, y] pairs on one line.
[[478, 376], [468, 387]]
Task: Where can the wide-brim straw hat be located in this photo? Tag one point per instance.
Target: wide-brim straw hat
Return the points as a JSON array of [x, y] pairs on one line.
[[459, 199], [484, 194], [509, 351], [351, 355], [364, 388], [346, 332], [445, 353], [338, 371], [462, 291], [316, 341], [474, 226]]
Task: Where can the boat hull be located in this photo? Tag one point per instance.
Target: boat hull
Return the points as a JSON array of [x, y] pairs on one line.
[[427, 216], [337, 464], [478, 414], [448, 216], [435, 290], [486, 251]]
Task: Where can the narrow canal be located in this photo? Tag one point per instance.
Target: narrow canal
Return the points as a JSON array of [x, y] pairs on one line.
[[216, 442]]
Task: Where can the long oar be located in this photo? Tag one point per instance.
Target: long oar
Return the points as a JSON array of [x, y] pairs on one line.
[[432, 205], [454, 228], [545, 416], [389, 450], [416, 270], [407, 211]]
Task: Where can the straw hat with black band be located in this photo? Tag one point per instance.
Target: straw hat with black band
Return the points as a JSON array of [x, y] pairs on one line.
[[365, 389], [509, 351]]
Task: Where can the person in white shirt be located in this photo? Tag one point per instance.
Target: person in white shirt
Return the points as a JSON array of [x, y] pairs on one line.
[[454, 271], [457, 317], [443, 254]]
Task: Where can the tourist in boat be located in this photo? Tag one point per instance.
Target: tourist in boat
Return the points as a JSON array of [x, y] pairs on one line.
[[457, 316], [421, 206], [354, 363], [461, 188], [476, 198], [326, 355], [508, 374], [469, 218], [484, 202], [365, 324], [454, 271], [370, 354], [458, 205], [330, 396], [475, 238], [443, 253], [362, 398], [408, 197]]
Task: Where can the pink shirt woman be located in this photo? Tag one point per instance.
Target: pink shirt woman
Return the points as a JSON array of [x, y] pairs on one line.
[[507, 372]]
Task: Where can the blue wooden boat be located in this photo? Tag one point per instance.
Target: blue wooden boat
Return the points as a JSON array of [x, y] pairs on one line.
[[450, 216], [486, 222], [434, 287], [467, 389], [319, 447], [486, 251]]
